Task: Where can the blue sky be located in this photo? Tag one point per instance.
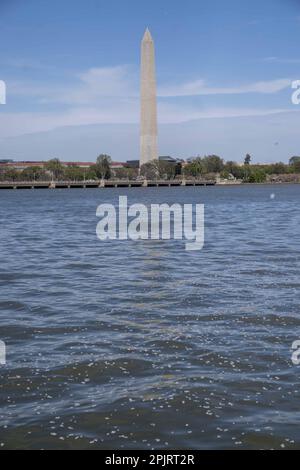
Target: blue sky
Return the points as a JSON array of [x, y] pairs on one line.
[[221, 66]]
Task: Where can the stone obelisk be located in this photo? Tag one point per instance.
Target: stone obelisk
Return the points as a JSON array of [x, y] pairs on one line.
[[148, 126]]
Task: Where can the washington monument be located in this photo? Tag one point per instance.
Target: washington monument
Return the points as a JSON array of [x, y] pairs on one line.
[[148, 127]]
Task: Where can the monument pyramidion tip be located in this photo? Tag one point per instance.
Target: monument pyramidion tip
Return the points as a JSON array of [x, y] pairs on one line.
[[147, 36]]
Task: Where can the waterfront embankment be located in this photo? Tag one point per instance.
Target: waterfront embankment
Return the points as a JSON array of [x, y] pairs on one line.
[[103, 184]]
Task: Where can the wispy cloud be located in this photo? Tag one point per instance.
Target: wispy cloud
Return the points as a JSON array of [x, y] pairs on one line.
[[111, 95], [199, 87], [86, 87], [122, 82], [19, 123], [176, 113], [280, 60]]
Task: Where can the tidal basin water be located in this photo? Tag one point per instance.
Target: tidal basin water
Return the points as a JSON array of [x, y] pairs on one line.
[[142, 344]]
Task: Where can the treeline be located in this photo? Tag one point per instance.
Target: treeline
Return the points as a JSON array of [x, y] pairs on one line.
[[207, 167], [55, 170], [247, 172], [211, 166]]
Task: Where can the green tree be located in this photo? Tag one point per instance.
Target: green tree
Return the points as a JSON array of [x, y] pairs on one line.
[[247, 171], [294, 163], [212, 164], [276, 169], [55, 167], [166, 170], [126, 173], [74, 173], [225, 174], [195, 168], [102, 167], [257, 175], [10, 174], [294, 160], [230, 166], [296, 167], [234, 169], [33, 173], [91, 173], [247, 160]]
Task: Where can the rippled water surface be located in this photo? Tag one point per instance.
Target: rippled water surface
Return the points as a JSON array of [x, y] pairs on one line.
[[142, 345]]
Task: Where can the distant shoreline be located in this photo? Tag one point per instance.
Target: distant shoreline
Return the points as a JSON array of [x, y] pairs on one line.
[[106, 184], [101, 184], [265, 183]]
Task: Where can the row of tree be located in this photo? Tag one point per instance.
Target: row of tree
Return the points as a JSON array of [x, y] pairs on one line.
[[246, 172], [209, 166], [55, 170], [201, 167]]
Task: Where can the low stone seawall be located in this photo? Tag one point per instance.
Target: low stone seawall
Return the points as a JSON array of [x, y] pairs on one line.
[[103, 184]]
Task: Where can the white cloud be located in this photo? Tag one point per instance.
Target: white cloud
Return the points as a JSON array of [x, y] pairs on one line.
[[199, 87], [13, 124], [110, 81], [86, 88], [175, 113], [121, 81], [110, 95]]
